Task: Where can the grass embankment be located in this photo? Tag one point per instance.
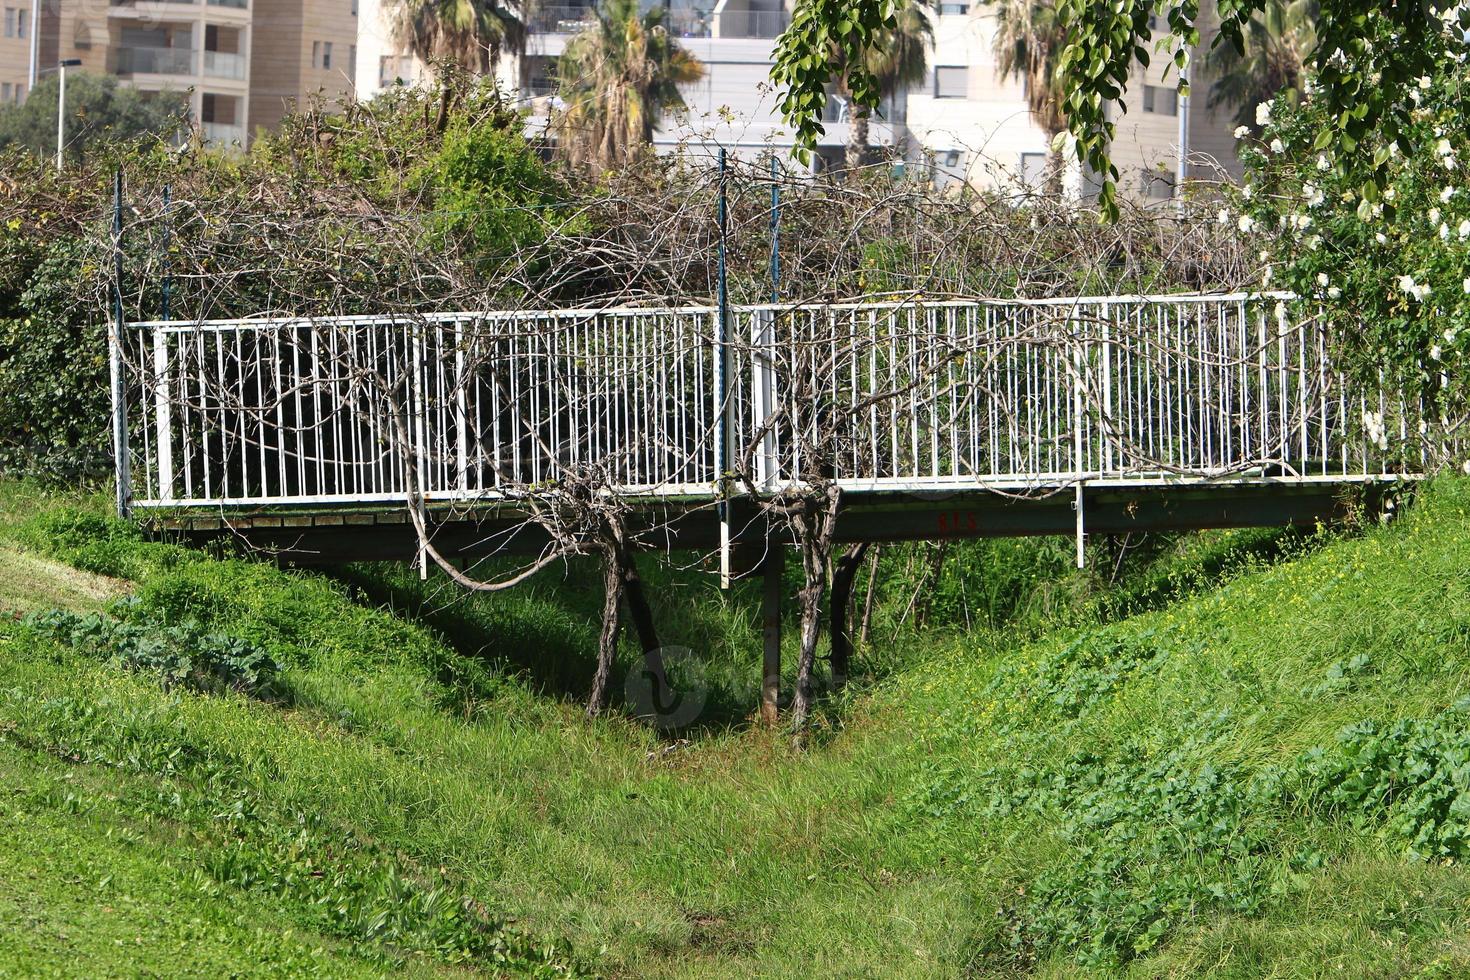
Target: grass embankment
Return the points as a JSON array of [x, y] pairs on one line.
[[1236, 783]]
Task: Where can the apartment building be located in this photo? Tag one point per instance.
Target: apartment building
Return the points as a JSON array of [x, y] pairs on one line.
[[239, 64], [964, 123], [18, 32], [306, 49]]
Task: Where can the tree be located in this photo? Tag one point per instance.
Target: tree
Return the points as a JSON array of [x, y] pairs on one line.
[[469, 33], [98, 110], [899, 59], [1277, 45], [1028, 42], [617, 79], [1360, 77]]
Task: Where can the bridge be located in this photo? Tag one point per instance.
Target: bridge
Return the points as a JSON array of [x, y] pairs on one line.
[[315, 436]]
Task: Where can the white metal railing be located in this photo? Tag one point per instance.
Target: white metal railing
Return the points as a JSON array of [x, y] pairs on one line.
[[909, 396], [224, 64]]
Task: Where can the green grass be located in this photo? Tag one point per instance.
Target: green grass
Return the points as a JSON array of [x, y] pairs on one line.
[[1244, 759]]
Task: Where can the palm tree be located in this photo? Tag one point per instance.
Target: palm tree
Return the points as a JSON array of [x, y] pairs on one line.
[[469, 33], [897, 59], [617, 79], [1028, 43], [1278, 42]]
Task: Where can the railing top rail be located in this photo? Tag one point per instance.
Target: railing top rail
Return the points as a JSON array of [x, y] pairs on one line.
[[258, 323]]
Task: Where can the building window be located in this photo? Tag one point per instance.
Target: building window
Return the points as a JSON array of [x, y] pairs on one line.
[[385, 71], [321, 54], [5, 95], [354, 8], [17, 22], [326, 54], [1158, 185], [1033, 169], [352, 62], [1162, 100], [953, 8], [951, 82]]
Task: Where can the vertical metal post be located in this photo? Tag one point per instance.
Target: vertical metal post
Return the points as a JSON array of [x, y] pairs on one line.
[[168, 272], [1078, 435], [121, 469], [772, 573], [60, 112], [722, 356], [775, 229]]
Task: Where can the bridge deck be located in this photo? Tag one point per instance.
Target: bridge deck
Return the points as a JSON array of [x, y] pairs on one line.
[[938, 419]]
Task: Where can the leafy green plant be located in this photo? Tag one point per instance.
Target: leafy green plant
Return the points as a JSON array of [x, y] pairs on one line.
[[184, 655]]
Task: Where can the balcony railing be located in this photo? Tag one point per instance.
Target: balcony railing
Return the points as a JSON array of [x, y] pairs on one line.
[[573, 19], [155, 61], [753, 23], [223, 134], [224, 64]]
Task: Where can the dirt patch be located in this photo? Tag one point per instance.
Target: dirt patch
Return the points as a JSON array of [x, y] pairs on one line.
[[30, 582]]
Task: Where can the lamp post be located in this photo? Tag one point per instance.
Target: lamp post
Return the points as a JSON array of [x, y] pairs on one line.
[[35, 43], [62, 66]]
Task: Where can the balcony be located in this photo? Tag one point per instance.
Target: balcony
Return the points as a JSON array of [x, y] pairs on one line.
[[753, 23], [680, 21], [155, 61], [223, 134], [224, 64]]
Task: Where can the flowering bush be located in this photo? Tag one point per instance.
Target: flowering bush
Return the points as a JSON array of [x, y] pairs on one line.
[[1376, 234]]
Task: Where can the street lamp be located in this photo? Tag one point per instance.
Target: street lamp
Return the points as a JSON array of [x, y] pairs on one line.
[[62, 66]]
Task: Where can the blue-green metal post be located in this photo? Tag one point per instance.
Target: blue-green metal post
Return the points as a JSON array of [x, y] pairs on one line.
[[121, 470], [775, 229], [722, 365], [168, 278]]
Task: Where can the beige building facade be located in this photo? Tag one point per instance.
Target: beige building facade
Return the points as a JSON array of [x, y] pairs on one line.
[[239, 64]]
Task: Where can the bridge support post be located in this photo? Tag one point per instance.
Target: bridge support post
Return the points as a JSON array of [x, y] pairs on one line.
[[772, 573], [1081, 528]]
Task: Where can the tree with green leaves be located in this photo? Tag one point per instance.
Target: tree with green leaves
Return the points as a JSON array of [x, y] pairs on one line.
[[617, 79], [98, 110], [1276, 47], [472, 34], [1367, 58], [899, 59], [1028, 42]]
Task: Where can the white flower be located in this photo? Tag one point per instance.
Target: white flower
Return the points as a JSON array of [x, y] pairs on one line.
[[1277, 146], [1302, 221], [1449, 335], [1467, 284], [1381, 238], [1443, 148], [1464, 229], [1323, 163], [1435, 353], [1446, 194], [1322, 279], [1425, 82], [1263, 114], [1241, 132], [1444, 232], [1265, 277], [1465, 467], [1313, 194], [1415, 290], [1334, 293], [1224, 216], [1434, 216], [1315, 242], [1390, 194], [1246, 223], [1246, 192]]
